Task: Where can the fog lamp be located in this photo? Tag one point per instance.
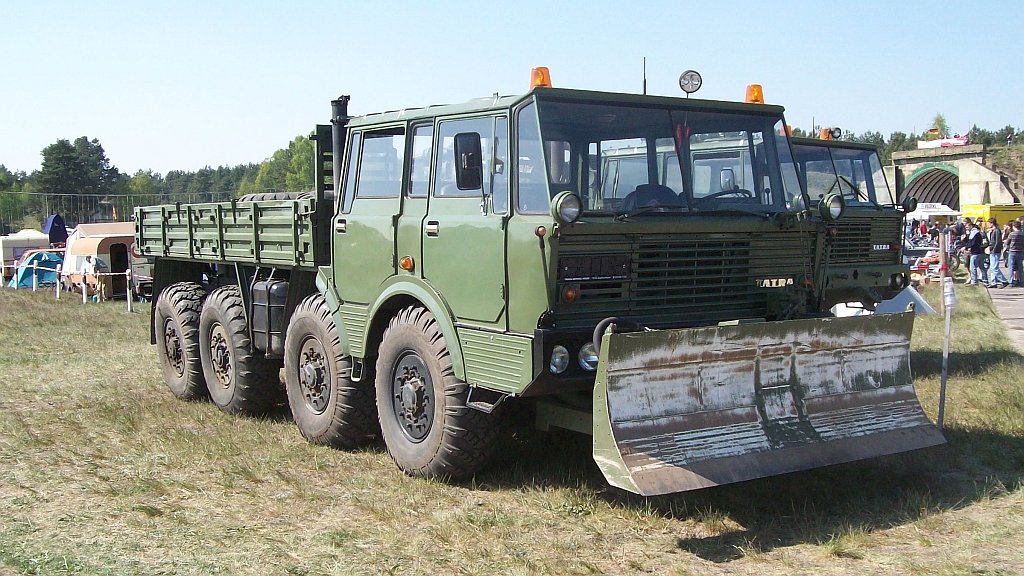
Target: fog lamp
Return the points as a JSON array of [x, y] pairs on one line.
[[559, 360], [588, 357]]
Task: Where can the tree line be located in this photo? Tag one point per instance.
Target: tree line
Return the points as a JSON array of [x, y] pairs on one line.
[[78, 181], [901, 141]]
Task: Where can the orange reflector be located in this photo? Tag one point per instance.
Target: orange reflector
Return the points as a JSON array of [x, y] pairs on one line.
[[540, 77], [754, 94], [825, 134], [570, 293], [407, 263], [807, 282]]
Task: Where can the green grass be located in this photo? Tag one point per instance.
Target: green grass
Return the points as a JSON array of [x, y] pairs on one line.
[[102, 471]]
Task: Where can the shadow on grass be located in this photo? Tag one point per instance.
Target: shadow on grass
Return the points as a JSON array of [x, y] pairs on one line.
[[928, 363], [812, 507], [733, 521]]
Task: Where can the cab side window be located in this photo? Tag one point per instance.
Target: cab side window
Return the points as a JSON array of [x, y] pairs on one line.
[[499, 167], [380, 164], [350, 174], [419, 163], [444, 169]]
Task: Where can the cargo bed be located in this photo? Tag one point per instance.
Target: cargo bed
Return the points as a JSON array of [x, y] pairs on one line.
[[277, 233]]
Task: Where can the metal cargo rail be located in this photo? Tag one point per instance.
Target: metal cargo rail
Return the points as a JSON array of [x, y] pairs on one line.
[[262, 233]]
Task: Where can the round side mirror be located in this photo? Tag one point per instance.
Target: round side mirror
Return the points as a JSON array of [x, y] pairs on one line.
[[909, 204]]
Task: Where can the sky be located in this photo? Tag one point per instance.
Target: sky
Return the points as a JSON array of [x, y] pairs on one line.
[[183, 85]]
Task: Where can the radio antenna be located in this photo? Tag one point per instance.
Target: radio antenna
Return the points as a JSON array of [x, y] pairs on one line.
[[645, 75]]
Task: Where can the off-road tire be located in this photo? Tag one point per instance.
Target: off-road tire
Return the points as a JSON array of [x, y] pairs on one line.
[[239, 380], [427, 427], [327, 406], [176, 321]]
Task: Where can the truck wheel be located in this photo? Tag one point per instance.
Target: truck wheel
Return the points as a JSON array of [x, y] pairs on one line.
[[426, 425], [328, 407], [177, 340], [239, 381]]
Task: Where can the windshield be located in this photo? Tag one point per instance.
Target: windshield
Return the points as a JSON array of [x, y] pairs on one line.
[[623, 159], [856, 173]]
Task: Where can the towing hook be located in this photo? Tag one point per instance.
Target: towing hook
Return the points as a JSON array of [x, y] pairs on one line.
[[621, 325]]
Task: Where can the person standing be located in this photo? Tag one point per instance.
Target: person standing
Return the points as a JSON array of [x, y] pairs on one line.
[[995, 250], [974, 243], [1006, 234], [1015, 251]]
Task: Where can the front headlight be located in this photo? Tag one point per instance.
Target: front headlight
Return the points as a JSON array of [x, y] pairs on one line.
[[588, 357], [831, 207], [566, 207], [559, 360]]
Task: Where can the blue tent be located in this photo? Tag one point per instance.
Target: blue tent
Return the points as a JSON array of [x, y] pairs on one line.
[[45, 270]]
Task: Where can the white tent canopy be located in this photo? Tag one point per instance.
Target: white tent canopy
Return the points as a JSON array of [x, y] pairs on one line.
[[928, 210]]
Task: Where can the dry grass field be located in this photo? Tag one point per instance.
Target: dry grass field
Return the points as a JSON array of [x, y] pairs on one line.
[[102, 471]]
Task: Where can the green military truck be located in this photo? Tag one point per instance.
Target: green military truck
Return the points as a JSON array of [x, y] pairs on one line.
[[864, 262], [471, 257]]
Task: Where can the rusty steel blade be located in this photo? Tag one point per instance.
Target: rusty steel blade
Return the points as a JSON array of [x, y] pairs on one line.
[[678, 410]]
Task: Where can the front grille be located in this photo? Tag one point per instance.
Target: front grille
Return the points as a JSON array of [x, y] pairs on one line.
[[677, 279], [866, 240]]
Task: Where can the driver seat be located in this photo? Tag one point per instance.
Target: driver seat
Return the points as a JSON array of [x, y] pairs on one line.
[[650, 195]]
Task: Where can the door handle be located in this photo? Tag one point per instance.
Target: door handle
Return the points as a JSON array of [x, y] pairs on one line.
[[432, 228], [341, 226]]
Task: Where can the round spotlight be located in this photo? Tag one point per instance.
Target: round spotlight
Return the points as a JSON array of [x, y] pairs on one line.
[[566, 207], [690, 81], [588, 357], [559, 360], [831, 207]]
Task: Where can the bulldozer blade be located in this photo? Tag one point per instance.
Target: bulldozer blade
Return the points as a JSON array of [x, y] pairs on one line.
[[678, 410]]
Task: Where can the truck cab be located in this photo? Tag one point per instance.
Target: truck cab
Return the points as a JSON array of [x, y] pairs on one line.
[[864, 263], [580, 211]]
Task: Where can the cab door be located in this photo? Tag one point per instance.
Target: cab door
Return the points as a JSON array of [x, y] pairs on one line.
[[464, 230], [364, 228]]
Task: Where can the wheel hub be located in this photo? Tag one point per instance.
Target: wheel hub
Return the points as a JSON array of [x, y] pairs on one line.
[[413, 398], [220, 355], [314, 376], [173, 351]]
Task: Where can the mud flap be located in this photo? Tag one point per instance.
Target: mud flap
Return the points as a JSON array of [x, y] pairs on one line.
[[678, 410]]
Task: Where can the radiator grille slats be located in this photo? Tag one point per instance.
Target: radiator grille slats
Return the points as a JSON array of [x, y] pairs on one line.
[[866, 240], [688, 279]]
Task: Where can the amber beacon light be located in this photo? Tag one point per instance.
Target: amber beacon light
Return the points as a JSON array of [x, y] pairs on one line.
[[540, 77], [754, 94]]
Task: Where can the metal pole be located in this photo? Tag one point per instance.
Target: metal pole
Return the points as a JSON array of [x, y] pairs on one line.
[[35, 276], [128, 288], [943, 266], [57, 283], [949, 296], [85, 290]]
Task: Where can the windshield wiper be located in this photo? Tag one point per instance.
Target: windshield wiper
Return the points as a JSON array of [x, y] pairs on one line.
[[857, 192], [733, 210], [645, 209]]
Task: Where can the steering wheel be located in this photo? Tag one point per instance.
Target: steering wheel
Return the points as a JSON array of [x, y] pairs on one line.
[[733, 192]]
